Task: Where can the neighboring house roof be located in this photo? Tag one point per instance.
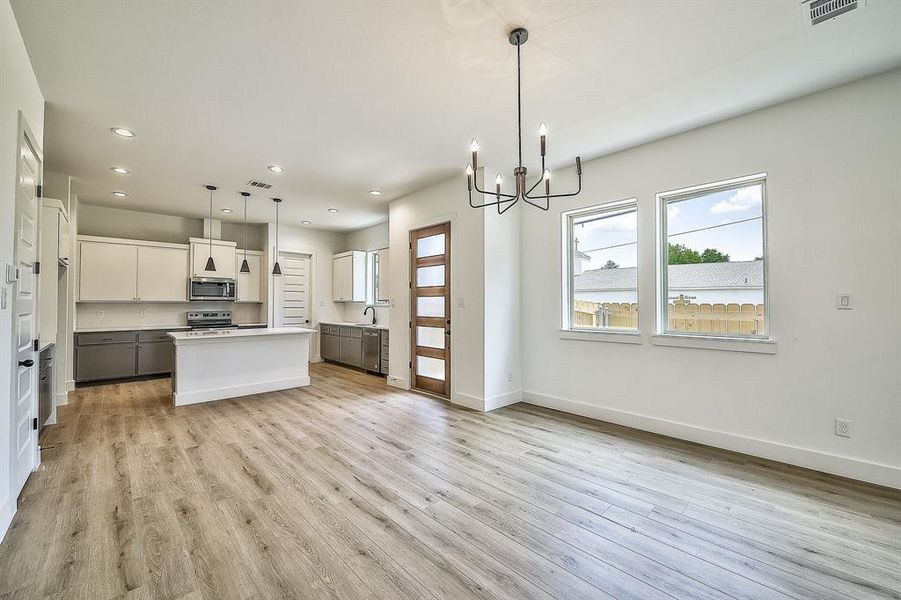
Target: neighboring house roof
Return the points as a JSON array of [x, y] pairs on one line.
[[701, 276]]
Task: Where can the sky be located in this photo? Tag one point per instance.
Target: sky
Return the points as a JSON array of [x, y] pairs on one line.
[[741, 241]]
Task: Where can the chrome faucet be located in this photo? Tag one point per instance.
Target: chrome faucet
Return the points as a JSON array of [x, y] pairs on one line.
[[373, 313]]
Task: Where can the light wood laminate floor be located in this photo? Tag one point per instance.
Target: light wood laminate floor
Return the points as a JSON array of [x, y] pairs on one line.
[[350, 489]]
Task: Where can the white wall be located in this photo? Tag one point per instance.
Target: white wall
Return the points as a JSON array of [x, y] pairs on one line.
[[19, 91], [369, 238], [834, 225], [440, 203]]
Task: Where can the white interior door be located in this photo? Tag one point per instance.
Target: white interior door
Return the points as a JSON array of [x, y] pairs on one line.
[[25, 332], [292, 291]]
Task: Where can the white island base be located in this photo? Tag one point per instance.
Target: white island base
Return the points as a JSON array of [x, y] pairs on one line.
[[227, 363]]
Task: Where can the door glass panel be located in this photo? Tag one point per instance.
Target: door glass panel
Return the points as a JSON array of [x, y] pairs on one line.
[[430, 337], [430, 276], [430, 246], [430, 306], [427, 366]]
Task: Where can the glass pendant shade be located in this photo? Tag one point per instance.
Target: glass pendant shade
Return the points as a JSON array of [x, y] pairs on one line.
[[210, 264], [245, 268], [276, 270]]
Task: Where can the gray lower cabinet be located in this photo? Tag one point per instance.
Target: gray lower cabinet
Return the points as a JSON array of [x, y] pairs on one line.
[[329, 349], [351, 351], [122, 354], [155, 358], [106, 361]]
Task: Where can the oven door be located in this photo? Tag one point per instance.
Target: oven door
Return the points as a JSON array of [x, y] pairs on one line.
[[212, 289]]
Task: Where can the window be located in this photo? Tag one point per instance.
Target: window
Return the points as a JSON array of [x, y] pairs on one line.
[[601, 266], [372, 279], [714, 251]]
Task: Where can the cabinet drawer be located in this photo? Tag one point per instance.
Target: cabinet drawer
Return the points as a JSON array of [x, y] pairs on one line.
[[109, 337], [325, 329], [355, 332], [384, 369], [155, 336]]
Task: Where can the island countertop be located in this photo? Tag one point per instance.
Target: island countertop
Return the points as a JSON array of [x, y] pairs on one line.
[[219, 334]]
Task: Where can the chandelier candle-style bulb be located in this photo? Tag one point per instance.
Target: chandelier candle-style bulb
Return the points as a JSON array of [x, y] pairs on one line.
[[522, 189]]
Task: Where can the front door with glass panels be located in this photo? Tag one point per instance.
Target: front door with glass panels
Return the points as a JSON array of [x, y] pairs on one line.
[[430, 321]]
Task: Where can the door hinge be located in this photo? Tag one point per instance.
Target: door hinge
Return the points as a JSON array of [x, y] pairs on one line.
[[35, 344], [37, 268], [39, 191], [34, 423], [411, 364]]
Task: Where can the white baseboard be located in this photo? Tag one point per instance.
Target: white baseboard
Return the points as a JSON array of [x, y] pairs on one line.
[[502, 400], [235, 391], [398, 382], [7, 512], [70, 385], [468, 401], [62, 399], [817, 460]]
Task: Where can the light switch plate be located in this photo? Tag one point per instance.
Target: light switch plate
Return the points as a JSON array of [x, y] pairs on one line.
[[12, 274], [461, 302], [3, 293], [844, 301]]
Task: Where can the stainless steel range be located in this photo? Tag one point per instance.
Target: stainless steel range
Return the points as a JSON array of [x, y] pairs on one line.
[[210, 319]]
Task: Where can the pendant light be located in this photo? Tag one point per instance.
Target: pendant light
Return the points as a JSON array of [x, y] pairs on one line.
[[276, 270], [210, 264], [245, 268]]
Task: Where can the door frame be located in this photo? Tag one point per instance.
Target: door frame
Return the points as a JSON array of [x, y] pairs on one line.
[[25, 135], [444, 226]]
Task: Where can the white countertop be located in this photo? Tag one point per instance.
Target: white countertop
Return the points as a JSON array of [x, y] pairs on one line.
[[151, 328], [360, 325], [218, 334]]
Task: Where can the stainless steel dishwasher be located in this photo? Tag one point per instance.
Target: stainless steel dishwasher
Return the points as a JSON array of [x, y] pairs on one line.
[[371, 347]]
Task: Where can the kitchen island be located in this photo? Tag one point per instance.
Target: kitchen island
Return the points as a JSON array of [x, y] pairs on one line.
[[227, 363]]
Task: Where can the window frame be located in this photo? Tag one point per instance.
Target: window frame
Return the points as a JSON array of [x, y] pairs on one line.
[[373, 272], [681, 194], [567, 329]]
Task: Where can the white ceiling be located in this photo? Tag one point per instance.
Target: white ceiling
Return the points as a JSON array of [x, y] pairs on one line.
[[349, 96]]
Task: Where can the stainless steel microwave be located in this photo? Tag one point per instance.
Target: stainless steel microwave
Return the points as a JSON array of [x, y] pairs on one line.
[[212, 288]]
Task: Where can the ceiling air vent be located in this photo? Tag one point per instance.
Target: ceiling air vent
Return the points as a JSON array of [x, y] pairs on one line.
[[259, 184], [820, 11]]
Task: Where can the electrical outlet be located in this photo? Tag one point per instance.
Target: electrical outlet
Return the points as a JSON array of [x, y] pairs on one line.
[[842, 428], [844, 301], [99, 314], [509, 377], [143, 312]]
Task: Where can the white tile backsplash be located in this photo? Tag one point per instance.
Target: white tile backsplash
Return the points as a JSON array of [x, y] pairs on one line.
[[353, 313], [93, 315]]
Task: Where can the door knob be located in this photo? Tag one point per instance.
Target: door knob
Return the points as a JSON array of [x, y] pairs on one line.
[[26, 363]]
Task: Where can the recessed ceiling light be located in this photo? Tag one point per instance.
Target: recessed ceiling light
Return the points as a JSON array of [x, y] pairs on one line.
[[304, 222], [121, 131], [276, 169], [375, 192], [227, 211], [120, 194], [333, 210], [119, 170]]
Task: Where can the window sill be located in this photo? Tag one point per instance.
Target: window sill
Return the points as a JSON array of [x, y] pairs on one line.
[[614, 336], [756, 346]]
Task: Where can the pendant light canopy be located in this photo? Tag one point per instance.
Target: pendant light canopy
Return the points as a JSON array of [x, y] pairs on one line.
[[276, 270], [210, 264], [523, 192], [245, 268]]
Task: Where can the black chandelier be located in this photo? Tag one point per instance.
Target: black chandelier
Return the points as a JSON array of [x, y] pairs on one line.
[[518, 37]]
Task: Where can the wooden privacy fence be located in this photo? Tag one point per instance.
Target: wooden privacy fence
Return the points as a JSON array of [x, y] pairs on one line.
[[741, 319]]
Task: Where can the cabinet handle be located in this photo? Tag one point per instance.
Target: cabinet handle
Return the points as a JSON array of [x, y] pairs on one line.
[[26, 363]]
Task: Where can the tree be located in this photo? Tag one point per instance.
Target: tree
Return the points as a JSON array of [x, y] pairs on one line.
[[680, 254], [712, 255], [611, 265]]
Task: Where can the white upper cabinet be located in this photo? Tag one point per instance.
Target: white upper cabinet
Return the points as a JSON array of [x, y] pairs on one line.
[[54, 252], [162, 274], [250, 285], [223, 255], [62, 236], [117, 270], [108, 272], [383, 290], [349, 277]]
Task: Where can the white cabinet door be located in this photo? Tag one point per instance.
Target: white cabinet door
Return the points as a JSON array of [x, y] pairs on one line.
[[223, 256], [162, 274], [107, 272], [383, 290], [358, 277], [62, 236], [342, 279], [250, 285], [48, 295]]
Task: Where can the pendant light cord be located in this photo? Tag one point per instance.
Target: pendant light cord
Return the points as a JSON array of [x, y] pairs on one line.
[[245, 228], [211, 224]]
